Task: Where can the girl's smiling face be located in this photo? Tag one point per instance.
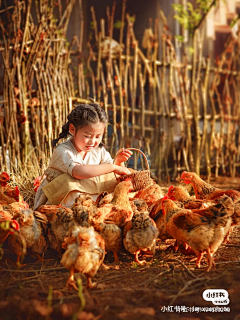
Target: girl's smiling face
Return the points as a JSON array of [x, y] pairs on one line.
[[87, 138]]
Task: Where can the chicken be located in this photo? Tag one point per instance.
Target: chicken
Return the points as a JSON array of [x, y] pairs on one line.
[[179, 193], [104, 198], [4, 179], [156, 213], [82, 207], [7, 225], [61, 222], [161, 225], [14, 208], [204, 190], [32, 236], [8, 194], [119, 210], [36, 183], [11, 196], [150, 194], [85, 252], [141, 235], [203, 231], [84, 199], [139, 205], [12, 192], [112, 236], [81, 215], [111, 233], [50, 211], [155, 208], [108, 218]]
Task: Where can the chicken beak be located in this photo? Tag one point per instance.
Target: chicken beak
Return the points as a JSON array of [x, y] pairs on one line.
[[108, 221], [14, 231]]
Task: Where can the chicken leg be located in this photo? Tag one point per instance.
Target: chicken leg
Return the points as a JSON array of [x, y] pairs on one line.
[[174, 247], [90, 284], [227, 236], [40, 258], [137, 260], [199, 259], [210, 260], [71, 282], [116, 261]]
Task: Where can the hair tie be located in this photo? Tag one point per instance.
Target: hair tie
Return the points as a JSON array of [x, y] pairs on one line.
[[55, 141]]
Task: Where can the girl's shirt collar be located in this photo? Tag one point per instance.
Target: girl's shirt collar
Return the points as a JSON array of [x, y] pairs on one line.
[[83, 156]]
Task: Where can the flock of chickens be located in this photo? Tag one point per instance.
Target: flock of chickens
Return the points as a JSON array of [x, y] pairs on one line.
[[83, 233]]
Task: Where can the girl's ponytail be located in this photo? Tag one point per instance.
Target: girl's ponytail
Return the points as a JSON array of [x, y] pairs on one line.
[[63, 134]]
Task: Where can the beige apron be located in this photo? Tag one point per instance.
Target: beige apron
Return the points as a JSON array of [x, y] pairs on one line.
[[59, 188]]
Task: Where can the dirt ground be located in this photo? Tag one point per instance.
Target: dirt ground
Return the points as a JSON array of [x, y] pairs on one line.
[[36, 290]]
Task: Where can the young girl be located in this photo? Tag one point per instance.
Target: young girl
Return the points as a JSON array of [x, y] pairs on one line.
[[81, 164]]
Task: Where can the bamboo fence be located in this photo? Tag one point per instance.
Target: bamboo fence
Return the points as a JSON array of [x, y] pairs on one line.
[[183, 115]]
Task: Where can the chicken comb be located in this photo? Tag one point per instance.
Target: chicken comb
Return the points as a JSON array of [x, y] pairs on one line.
[[183, 175], [37, 181], [4, 179], [5, 175], [165, 197], [15, 225], [17, 191], [170, 188]]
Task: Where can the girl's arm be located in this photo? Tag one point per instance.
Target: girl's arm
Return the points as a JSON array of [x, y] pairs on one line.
[[90, 171]]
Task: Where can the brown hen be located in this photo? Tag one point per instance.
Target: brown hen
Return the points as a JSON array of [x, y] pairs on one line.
[[61, 222], [11, 196], [203, 231], [104, 198], [32, 236], [150, 194], [179, 193], [84, 199], [112, 236], [7, 225], [85, 252], [4, 179], [204, 190], [156, 213], [140, 235], [139, 205], [119, 210]]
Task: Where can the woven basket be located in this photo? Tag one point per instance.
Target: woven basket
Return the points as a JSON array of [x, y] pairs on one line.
[[140, 179]]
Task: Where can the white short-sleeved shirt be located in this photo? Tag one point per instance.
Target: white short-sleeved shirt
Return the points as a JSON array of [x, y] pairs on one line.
[[65, 157]]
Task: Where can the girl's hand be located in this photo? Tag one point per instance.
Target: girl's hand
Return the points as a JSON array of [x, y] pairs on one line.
[[120, 170], [122, 156]]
